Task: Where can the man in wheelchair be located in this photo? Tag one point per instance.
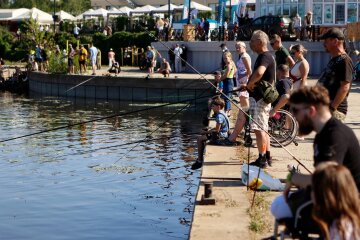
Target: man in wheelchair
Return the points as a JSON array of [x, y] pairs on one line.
[[334, 141]]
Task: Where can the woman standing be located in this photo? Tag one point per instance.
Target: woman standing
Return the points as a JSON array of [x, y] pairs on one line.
[[227, 78], [336, 202], [243, 73], [299, 72]]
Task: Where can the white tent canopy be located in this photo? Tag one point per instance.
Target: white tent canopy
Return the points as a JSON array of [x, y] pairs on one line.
[[37, 14], [195, 5], [64, 15], [144, 9], [165, 8], [236, 2], [96, 13], [6, 14], [81, 16], [121, 11]]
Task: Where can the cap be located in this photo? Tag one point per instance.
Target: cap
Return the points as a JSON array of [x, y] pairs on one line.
[[217, 73], [222, 45], [333, 33]]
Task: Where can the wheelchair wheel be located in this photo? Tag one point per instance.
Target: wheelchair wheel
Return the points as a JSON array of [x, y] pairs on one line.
[[283, 127]]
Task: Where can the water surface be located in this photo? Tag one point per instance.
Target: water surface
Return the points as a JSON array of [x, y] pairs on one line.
[[85, 181]]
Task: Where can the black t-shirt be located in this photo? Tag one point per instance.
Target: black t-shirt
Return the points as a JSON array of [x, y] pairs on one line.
[[339, 69], [267, 60], [336, 141], [283, 86]]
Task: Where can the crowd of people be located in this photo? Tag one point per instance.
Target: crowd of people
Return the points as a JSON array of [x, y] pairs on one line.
[[333, 189]]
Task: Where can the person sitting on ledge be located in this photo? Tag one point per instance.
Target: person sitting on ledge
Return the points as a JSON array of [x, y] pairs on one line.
[[216, 134], [165, 68], [115, 67]]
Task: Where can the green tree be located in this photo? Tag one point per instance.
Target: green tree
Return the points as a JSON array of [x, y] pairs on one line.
[[5, 42]]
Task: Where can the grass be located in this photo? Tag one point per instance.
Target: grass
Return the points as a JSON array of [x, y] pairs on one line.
[[260, 220]]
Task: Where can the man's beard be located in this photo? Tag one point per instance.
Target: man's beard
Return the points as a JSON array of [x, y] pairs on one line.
[[305, 126]]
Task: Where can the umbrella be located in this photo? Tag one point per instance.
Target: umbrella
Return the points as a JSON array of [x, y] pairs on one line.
[[165, 8], [64, 15]]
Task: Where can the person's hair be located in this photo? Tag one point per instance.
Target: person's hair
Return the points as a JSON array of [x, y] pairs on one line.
[[240, 44], [262, 36], [284, 68], [299, 48], [315, 95], [275, 37], [336, 199], [217, 100], [228, 54]]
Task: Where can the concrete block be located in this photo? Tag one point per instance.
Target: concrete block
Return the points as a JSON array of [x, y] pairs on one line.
[[126, 94], [154, 95], [139, 94], [113, 93], [80, 92], [90, 92], [101, 92]]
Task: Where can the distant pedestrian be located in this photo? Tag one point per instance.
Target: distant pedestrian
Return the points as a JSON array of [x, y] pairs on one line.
[[177, 52], [308, 22], [71, 55], [93, 55], [150, 60], [282, 55], [76, 31], [297, 26], [98, 59], [299, 72], [224, 49], [83, 54], [164, 68], [111, 56]]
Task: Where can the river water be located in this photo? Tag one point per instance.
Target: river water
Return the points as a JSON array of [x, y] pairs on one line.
[[86, 181]]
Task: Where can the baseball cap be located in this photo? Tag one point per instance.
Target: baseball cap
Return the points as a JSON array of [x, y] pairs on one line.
[[333, 33], [217, 73], [222, 45]]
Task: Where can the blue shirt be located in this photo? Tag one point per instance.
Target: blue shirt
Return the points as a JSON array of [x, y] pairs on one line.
[[223, 120]]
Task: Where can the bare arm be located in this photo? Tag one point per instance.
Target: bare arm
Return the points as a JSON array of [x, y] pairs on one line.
[[341, 94], [255, 77], [247, 63], [304, 71], [282, 101], [290, 61]]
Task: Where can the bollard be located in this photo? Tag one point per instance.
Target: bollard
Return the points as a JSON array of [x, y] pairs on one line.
[[206, 198]]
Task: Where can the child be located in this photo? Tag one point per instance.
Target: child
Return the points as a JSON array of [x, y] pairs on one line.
[[284, 87], [220, 131], [336, 201]]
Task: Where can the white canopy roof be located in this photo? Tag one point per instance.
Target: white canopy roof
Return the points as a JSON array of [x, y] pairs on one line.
[[6, 14], [195, 5], [236, 2], [165, 8], [144, 9], [81, 16], [40, 16], [121, 11], [96, 13], [64, 15]]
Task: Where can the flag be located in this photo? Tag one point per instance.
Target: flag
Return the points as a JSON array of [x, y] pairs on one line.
[[186, 9], [222, 6]]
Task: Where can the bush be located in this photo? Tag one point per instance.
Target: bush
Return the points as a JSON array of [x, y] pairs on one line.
[[57, 64]]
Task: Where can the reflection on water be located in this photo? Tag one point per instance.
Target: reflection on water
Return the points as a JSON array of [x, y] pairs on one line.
[[83, 182]]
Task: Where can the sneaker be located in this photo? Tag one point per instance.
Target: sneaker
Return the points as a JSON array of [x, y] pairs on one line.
[[261, 162], [197, 164]]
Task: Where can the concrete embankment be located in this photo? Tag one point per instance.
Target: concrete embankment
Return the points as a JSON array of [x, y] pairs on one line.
[[228, 218]]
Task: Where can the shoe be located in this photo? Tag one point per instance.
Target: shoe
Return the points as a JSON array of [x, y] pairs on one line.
[[269, 161], [197, 164], [93, 74], [261, 162]]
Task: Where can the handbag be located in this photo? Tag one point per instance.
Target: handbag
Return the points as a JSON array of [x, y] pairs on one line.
[[266, 91]]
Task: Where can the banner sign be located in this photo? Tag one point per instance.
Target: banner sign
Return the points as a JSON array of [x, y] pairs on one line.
[[185, 13], [221, 11]]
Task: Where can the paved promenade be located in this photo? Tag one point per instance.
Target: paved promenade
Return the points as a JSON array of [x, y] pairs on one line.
[[228, 219]]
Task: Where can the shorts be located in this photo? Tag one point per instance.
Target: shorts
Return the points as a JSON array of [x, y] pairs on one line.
[[82, 62], [70, 62], [38, 60], [241, 81], [260, 114], [93, 61]]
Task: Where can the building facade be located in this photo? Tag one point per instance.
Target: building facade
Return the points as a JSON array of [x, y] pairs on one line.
[[325, 12]]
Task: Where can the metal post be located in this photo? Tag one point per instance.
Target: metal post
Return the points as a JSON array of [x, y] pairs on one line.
[[189, 12], [54, 14], [230, 13], [169, 10]]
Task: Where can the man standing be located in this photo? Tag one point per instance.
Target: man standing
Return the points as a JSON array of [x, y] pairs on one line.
[[282, 55], [177, 52], [111, 57], [334, 141], [93, 55], [337, 76], [71, 55], [76, 31], [264, 70]]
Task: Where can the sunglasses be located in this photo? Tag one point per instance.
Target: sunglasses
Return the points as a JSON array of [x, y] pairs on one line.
[[295, 110]]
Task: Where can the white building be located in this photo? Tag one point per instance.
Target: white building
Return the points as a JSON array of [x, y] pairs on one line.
[[325, 12]]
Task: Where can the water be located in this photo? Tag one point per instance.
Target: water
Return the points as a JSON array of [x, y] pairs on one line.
[[82, 182]]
